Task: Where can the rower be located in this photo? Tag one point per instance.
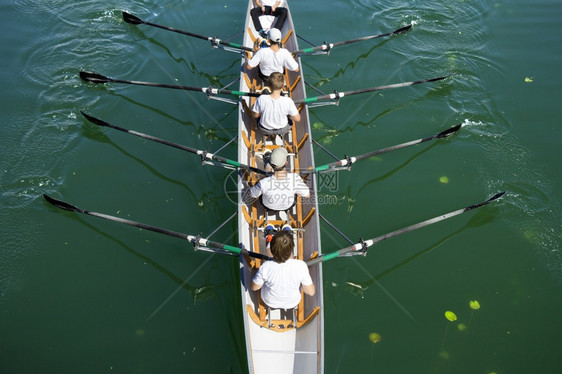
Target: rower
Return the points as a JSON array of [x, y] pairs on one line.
[[268, 8], [272, 59], [280, 280], [278, 191], [275, 112]]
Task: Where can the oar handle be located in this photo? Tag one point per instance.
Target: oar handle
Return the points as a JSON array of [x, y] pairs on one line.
[[230, 248]]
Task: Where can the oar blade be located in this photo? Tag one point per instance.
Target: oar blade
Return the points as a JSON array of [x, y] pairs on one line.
[[449, 131], [132, 19], [491, 199], [401, 30], [495, 197], [88, 76], [95, 120], [61, 204], [435, 79]]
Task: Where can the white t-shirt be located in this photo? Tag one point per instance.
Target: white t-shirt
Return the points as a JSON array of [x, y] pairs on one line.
[[280, 194], [274, 112], [281, 282], [270, 61], [270, 2]]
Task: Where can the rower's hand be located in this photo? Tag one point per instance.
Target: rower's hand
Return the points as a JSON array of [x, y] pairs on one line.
[[262, 10]]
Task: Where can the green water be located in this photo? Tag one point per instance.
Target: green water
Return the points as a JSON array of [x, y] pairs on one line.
[[83, 295]]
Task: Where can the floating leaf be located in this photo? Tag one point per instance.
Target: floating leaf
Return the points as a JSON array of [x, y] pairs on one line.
[[444, 180], [474, 304], [444, 355], [450, 316], [528, 80], [374, 337], [461, 327]]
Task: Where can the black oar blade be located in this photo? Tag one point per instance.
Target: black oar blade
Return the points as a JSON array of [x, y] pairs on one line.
[[435, 79], [402, 30], [493, 198], [94, 77], [61, 204], [450, 131], [95, 120], [134, 20]]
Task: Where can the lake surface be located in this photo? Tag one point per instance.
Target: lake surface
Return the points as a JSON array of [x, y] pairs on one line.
[[84, 295]]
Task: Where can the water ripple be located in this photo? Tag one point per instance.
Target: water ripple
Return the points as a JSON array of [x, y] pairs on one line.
[[531, 203]]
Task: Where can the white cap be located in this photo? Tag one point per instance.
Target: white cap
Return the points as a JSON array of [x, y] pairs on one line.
[[278, 157], [275, 35]]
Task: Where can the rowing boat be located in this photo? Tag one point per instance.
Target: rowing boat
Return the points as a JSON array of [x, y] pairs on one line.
[[274, 342], [277, 341]]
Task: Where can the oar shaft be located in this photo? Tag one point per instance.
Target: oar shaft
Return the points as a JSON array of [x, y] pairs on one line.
[[350, 160], [203, 154], [364, 245], [339, 95], [63, 205], [327, 47], [442, 134], [129, 18], [395, 32], [100, 122], [193, 239], [98, 78]]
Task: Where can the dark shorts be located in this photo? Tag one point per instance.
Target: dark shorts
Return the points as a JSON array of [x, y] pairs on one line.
[[281, 131]]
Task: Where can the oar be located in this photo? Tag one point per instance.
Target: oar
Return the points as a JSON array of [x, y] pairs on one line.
[[327, 47], [204, 154], [363, 245], [134, 20], [98, 78], [195, 240], [348, 161], [338, 95]]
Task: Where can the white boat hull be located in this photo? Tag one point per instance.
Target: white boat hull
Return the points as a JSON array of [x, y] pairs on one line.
[[287, 350]]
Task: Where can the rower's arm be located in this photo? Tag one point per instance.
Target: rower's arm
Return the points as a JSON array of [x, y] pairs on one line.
[[309, 290], [249, 111], [295, 118], [259, 4], [255, 286]]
